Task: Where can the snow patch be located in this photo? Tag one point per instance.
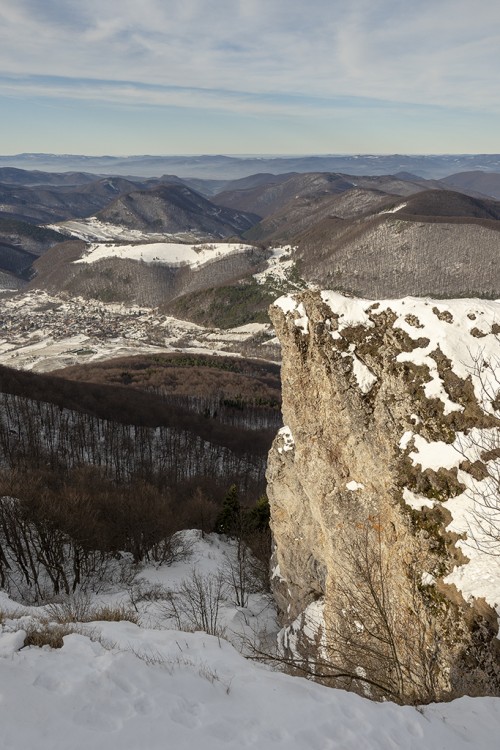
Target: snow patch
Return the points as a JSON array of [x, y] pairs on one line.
[[302, 322], [309, 625], [93, 229], [287, 441], [393, 210], [352, 486], [276, 573], [428, 579], [350, 313], [417, 502], [405, 440], [288, 304], [434, 455], [364, 376]]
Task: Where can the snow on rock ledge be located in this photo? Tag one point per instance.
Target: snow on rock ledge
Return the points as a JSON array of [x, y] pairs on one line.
[[398, 399]]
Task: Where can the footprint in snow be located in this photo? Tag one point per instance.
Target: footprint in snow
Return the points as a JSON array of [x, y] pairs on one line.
[[185, 713]]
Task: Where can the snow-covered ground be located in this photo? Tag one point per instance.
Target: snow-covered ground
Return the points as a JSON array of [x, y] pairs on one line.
[[166, 253], [45, 332], [170, 249], [95, 230], [125, 686], [280, 271]]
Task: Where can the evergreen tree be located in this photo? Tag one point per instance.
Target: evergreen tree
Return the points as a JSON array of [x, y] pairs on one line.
[[229, 520], [257, 518]]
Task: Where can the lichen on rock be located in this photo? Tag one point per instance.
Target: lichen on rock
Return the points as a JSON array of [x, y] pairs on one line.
[[381, 410]]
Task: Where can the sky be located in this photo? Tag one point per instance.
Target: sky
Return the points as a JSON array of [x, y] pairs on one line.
[[249, 76]]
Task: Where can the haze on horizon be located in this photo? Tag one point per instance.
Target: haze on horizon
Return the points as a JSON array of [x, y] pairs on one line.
[[249, 77]]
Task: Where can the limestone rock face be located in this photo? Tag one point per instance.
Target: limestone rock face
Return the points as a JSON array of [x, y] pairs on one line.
[[388, 416]]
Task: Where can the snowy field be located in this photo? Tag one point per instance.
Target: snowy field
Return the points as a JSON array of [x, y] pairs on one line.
[[126, 686], [165, 253]]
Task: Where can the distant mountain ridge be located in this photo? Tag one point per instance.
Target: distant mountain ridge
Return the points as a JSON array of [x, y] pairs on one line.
[[487, 183], [270, 197], [233, 167]]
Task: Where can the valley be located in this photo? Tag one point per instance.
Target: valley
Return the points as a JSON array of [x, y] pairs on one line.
[[251, 406], [249, 375]]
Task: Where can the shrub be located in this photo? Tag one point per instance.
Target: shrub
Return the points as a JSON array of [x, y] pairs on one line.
[[196, 604], [80, 609], [44, 633]]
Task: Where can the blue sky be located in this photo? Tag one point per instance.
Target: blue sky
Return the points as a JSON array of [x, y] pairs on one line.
[[249, 76]]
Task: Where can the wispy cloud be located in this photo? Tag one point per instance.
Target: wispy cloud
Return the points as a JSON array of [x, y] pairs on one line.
[[251, 55], [128, 94]]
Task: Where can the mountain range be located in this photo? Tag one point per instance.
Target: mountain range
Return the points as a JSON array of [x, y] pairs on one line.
[[370, 235], [233, 167]]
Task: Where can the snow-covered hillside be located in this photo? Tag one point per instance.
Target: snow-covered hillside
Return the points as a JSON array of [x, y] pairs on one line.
[[128, 686], [93, 229], [166, 253]]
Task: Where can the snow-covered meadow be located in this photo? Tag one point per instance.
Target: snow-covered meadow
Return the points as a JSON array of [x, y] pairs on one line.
[[165, 253]]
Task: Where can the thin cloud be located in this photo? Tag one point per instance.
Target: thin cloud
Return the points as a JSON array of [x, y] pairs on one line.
[[129, 94], [426, 53]]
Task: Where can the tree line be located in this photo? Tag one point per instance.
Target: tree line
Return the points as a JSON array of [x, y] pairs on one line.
[[80, 493]]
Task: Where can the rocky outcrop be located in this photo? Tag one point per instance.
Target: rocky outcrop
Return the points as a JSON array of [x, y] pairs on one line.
[[375, 485]]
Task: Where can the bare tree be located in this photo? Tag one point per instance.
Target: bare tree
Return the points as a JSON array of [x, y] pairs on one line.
[[196, 604], [480, 449], [384, 631], [379, 640]]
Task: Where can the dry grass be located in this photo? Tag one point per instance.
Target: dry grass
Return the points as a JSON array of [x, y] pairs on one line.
[[81, 610], [66, 617], [43, 633]]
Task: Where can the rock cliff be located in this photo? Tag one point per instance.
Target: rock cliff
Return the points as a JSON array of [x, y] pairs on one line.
[[384, 494]]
